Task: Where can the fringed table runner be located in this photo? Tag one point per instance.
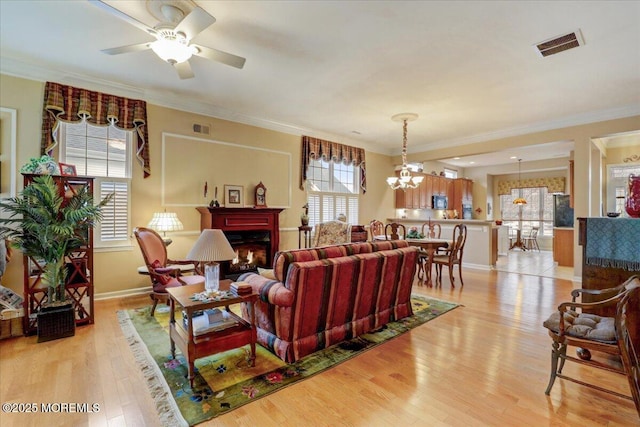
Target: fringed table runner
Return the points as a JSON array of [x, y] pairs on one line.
[[614, 243]]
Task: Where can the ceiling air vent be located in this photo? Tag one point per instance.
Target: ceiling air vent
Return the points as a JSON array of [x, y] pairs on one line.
[[203, 129], [559, 44]]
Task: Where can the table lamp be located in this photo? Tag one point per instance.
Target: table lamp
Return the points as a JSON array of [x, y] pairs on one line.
[[211, 246], [165, 221]]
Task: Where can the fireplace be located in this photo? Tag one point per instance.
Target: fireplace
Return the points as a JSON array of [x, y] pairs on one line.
[[254, 235]]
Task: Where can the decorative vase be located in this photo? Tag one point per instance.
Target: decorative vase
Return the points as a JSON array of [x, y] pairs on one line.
[[632, 204], [304, 219]]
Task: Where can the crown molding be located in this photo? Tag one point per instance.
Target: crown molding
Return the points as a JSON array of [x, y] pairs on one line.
[[575, 120], [24, 69], [28, 70]]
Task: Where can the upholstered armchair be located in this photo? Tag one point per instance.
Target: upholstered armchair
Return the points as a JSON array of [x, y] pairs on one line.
[[332, 233], [164, 272]]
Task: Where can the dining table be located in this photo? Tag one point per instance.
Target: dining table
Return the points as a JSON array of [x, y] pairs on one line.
[[430, 246]]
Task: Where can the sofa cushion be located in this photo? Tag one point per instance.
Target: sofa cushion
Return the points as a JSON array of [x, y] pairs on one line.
[[584, 325]]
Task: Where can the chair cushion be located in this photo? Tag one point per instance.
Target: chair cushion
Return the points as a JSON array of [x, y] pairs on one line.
[[162, 288], [191, 280], [584, 325]]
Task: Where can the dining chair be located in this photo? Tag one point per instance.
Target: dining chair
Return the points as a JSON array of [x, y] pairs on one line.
[[164, 272], [453, 256], [429, 230], [616, 337], [376, 228], [391, 231], [530, 241]]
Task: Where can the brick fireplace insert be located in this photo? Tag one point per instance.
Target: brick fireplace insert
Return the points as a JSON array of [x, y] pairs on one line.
[[254, 233]]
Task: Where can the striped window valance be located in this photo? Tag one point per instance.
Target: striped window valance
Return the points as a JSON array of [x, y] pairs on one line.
[[314, 149], [71, 104], [554, 185]]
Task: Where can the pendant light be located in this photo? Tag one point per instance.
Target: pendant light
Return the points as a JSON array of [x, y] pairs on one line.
[[406, 180], [520, 200]]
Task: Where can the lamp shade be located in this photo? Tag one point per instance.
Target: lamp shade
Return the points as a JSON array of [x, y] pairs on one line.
[[212, 245], [165, 221]]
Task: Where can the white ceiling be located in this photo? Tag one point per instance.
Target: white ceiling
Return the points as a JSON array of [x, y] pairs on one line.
[[327, 68]]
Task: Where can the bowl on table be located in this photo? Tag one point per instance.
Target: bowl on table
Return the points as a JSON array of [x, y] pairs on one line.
[[613, 214]]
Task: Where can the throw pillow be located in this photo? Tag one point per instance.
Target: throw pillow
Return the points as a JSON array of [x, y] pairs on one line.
[[163, 279], [267, 272]]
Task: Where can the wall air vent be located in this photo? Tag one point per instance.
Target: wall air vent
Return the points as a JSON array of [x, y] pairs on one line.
[[559, 44], [202, 129]]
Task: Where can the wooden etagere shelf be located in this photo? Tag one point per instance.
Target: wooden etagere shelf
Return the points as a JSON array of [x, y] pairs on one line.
[[79, 263]]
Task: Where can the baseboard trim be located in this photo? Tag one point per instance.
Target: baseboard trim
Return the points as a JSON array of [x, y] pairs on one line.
[[123, 293]]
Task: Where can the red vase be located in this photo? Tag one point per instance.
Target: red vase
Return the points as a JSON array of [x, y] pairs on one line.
[[632, 205]]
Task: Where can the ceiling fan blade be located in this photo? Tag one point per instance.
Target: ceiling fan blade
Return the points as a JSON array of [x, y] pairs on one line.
[[184, 70], [195, 22], [126, 49], [112, 10], [220, 56]]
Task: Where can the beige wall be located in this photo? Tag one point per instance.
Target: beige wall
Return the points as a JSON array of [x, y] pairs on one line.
[[115, 271]]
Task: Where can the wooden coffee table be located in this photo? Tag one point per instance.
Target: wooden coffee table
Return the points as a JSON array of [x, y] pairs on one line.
[[195, 347]]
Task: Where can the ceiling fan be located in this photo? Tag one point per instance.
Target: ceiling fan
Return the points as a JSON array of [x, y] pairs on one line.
[[173, 37]]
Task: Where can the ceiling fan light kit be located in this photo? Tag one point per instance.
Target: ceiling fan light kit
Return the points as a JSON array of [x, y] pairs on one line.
[[174, 35], [174, 51]]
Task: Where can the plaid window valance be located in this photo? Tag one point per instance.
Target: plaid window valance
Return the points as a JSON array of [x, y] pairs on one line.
[[71, 104], [314, 148], [554, 185]]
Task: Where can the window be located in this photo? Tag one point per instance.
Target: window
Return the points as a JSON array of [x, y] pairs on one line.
[[538, 212], [105, 153], [333, 190], [450, 173]]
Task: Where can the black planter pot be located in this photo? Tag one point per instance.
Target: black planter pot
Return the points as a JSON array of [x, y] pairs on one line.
[[56, 322]]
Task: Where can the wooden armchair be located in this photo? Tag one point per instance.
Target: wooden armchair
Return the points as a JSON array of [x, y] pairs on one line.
[[617, 336], [164, 272]]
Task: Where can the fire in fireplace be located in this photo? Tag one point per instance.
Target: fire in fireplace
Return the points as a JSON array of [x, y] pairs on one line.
[[252, 250]]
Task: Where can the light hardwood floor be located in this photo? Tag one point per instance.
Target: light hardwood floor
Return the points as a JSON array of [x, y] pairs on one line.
[[483, 364]]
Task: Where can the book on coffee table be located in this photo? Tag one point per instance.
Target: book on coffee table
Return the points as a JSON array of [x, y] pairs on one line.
[[202, 324]]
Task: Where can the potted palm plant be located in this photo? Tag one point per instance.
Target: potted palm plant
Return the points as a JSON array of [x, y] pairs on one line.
[[46, 225]]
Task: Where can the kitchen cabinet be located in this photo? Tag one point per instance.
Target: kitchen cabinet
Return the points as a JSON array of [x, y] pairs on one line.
[[462, 194], [563, 246], [458, 192], [413, 198]]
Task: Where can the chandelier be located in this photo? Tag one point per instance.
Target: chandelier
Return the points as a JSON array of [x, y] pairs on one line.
[[405, 180], [520, 200]]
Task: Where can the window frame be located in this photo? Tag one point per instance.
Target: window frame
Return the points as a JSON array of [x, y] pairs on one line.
[[322, 203], [545, 225], [99, 181]]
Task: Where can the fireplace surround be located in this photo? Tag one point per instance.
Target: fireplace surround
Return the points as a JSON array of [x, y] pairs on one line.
[[254, 233]]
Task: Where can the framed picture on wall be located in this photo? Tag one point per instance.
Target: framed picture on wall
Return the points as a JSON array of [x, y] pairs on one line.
[[67, 170], [233, 196]]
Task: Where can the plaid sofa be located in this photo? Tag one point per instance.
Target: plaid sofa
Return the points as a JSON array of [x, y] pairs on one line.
[[322, 296]]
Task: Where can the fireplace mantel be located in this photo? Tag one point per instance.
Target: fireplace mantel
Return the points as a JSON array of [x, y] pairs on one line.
[[244, 219]]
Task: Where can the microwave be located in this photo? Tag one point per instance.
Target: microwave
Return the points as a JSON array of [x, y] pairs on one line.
[[439, 202]]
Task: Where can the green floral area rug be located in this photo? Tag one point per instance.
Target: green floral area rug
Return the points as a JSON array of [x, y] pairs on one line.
[[225, 381]]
